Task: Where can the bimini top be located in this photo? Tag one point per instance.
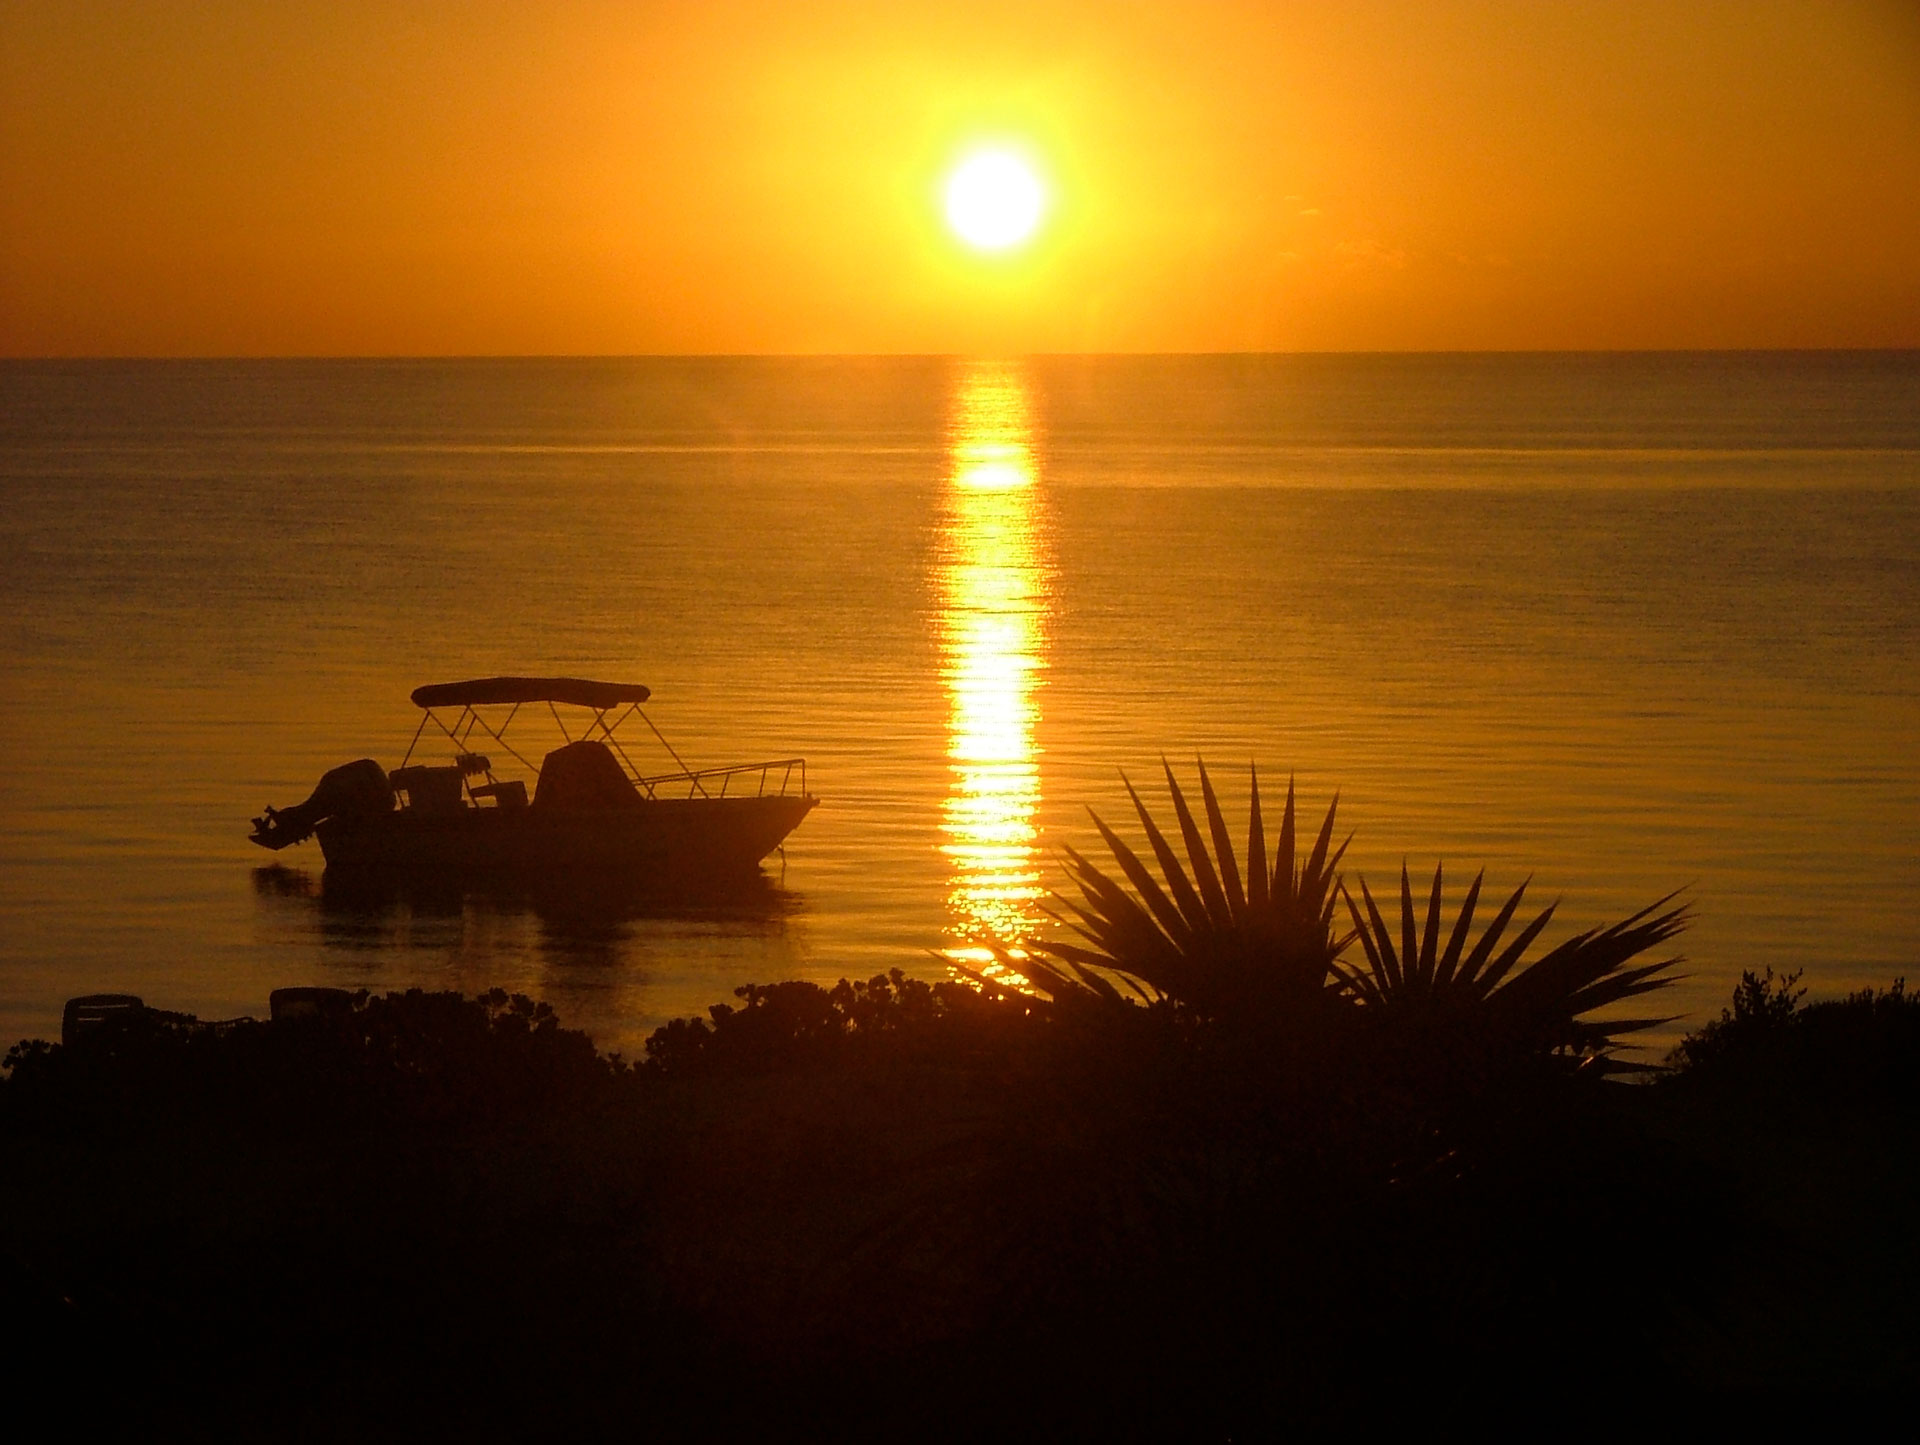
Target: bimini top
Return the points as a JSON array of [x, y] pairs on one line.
[[481, 691]]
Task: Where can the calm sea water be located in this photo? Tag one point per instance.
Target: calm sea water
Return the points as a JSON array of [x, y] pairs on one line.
[[1623, 624]]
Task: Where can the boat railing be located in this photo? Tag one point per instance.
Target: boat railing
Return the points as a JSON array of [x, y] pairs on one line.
[[781, 778]]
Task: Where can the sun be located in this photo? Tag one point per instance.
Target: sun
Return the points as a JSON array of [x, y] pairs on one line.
[[994, 200]]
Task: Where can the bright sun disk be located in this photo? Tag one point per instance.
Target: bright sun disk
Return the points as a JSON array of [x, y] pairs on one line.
[[994, 200]]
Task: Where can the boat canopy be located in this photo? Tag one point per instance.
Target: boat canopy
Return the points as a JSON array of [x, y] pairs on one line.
[[577, 691]]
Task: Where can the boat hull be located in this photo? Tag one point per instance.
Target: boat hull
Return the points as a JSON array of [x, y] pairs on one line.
[[657, 839]]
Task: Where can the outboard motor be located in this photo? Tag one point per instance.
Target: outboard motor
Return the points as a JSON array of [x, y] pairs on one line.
[[353, 790]]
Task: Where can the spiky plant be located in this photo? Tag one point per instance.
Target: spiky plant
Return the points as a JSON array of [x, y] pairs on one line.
[[1203, 936], [1488, 1005]]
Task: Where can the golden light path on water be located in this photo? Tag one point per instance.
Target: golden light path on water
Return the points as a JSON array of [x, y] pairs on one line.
[[994, 577]]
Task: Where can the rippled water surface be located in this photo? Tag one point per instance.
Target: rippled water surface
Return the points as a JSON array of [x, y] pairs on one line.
[[1622, 624]]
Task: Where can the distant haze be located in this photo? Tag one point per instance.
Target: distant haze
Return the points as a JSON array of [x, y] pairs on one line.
[[369, 178]]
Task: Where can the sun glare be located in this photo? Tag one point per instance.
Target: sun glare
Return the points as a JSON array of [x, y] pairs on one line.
[[994, 200]]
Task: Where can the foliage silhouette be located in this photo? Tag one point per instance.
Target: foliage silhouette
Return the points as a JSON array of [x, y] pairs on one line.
[[827, 1207], [1853, 1054], [1763, 1007], [796, 1023], [1486, 1001], [1262, 959], [1226, 947]]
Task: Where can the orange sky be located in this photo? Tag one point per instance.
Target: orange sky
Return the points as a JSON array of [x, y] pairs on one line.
[[350, 178]]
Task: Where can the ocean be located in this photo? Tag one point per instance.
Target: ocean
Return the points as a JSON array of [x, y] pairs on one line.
[[1618, 624]]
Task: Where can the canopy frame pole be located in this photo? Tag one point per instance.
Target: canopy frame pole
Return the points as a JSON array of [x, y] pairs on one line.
[[639, 779], [691, 774], [472, 719], [495, 734], [416, 737], [600, 717]]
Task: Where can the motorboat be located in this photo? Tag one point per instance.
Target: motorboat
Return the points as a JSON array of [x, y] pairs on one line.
[[591, 811]]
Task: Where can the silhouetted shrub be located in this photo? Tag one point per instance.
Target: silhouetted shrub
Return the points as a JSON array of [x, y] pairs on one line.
[[419, 1053], [791, 1025], [859, 1199], [1762, 1010], [1862, 1051]]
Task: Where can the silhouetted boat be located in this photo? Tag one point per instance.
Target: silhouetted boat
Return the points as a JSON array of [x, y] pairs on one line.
[[592, 812]]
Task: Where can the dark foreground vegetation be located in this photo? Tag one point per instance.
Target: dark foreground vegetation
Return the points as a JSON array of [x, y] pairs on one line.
[[1196, 1186]]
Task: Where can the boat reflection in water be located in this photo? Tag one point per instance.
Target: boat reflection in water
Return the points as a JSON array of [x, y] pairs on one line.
[[589, 915], [994, 577]]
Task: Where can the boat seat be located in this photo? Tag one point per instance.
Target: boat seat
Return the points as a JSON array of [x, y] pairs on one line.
[[431, 790], [510, 794]]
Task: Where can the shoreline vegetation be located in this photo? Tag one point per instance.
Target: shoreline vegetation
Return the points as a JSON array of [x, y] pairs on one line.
[[1220, 1166]]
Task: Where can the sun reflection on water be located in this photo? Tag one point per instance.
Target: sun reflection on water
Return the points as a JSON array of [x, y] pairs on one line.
[[994, 579]]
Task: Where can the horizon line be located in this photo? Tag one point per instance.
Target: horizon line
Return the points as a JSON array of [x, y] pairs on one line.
[[526, 356]]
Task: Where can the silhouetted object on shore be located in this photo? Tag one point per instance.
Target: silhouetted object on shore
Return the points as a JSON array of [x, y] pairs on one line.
[[94, 1011], [286, 1005], [592, 811], [345, 1052]]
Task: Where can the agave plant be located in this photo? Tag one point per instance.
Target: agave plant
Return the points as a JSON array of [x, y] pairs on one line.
[[1485, 996], [1203, 936]]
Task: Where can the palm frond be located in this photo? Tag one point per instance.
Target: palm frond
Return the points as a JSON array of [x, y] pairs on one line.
[[1210, 931], [1222, 841], [1537, 1007]]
